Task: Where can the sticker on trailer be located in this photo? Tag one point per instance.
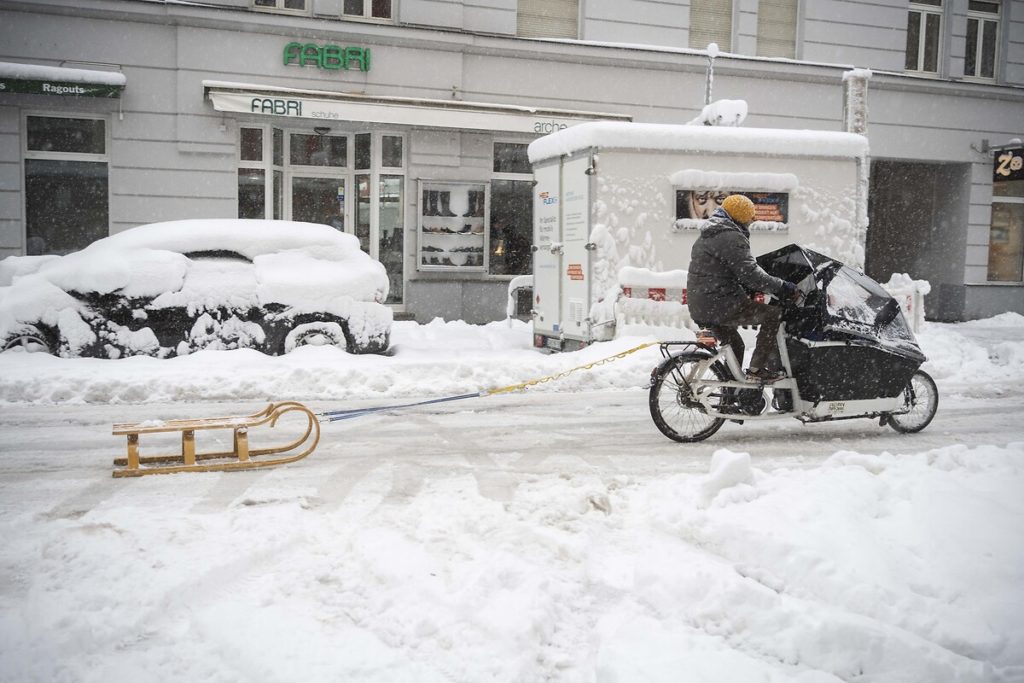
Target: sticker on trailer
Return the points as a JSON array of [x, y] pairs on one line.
[[575, 271]]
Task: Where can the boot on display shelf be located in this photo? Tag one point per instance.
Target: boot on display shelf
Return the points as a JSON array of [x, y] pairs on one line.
[[445, 202]]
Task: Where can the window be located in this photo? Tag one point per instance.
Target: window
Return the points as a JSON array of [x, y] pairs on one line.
[[776, 28], [924, 33], [711, 22], [255, 149], [511, 211], [292, 6], [1006, 234], [548, 19], [367, 9], [67, 204], [982, 34]]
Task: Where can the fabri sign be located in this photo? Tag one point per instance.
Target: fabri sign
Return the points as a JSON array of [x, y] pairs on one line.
[[330, 57]]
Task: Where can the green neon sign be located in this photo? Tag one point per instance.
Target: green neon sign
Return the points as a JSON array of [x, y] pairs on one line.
[[331, 57]]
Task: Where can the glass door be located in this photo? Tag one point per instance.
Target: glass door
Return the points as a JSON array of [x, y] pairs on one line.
[[319, 199]]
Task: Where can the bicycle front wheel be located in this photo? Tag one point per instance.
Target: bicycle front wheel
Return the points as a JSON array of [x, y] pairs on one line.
[[674, 398], [920, 401]]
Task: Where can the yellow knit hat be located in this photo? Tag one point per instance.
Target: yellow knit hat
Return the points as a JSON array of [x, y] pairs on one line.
[[739, 208]]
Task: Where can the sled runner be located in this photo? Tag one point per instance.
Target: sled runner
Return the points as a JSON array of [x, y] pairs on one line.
[[241, 457]]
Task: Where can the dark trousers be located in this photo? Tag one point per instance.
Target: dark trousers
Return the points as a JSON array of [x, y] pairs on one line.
[[766, 350]]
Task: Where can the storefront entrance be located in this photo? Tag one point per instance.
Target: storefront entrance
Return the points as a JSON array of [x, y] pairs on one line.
[[354, 182]]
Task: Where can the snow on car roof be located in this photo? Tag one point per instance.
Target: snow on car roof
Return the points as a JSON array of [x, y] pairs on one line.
[[248, 237], [682, 138], [148, 260]]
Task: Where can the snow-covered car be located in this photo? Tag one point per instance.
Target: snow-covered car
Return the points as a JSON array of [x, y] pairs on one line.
[[168, 289]]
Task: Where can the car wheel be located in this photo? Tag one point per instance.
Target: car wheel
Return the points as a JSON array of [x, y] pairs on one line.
[[315, 334], [29, 341]]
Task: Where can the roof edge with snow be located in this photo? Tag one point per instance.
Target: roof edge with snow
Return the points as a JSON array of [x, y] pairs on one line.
[[683, 138]]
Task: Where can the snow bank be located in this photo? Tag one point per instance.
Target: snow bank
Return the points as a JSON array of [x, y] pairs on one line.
[[439, 359], [872, 567]]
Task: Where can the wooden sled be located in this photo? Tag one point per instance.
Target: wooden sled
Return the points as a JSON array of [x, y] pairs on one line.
[[241, 457]]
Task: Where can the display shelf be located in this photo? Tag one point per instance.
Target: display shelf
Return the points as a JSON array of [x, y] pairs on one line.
[[452, 226]]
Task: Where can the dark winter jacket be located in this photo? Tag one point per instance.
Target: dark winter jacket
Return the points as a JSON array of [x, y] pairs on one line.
[[723, 272]]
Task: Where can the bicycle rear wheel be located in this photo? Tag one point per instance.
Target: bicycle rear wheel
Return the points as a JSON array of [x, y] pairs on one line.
[[673, 399]]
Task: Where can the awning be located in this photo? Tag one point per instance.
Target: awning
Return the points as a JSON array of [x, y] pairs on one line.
[[33, 79], [324, 106]]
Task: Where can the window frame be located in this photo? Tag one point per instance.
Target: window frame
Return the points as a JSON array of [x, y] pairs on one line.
[[27, 154], [982, 18], [926, 10], [279, 8], [367, 14]]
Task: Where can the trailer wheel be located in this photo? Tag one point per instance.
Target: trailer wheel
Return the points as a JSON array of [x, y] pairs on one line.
[[920, 401], [675, 409]]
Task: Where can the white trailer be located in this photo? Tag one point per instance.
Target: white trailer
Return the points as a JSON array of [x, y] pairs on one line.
[[617, 207]]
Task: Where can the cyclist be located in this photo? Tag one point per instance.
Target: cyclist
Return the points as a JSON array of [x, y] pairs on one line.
[[722, 272]]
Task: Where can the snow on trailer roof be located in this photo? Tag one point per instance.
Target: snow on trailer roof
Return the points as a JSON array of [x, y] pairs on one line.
[[684, 138]]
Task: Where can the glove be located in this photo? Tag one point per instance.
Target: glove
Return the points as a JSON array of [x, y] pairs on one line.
[[789, 292]]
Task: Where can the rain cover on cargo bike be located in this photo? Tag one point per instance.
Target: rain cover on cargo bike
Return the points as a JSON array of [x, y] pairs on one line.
[[879, 354]]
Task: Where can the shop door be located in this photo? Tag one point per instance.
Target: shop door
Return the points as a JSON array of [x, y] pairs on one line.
[[319, 199]]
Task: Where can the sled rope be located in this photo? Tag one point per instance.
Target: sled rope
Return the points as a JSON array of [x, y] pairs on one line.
[[522, 386], [336, 415]]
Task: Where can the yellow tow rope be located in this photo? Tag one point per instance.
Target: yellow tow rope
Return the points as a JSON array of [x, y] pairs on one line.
[[550, 378]]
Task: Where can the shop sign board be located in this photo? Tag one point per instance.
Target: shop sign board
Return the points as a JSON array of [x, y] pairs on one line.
[[329, 57], [1008, 164], [60, 88]]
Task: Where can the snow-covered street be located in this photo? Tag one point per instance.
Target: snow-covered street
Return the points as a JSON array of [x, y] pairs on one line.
[[546, 535]]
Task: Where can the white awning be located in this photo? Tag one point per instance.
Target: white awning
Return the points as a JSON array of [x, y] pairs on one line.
[[35, 79], [325, 106]]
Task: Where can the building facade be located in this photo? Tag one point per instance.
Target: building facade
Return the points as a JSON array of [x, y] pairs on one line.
[[405, 122]]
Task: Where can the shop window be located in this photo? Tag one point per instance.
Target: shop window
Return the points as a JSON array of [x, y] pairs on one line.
[[367, 9], [290, 6], [253, 171], [363, 156], [924, 34], [548, 19], [1006, 233], [511, 157], [982, 38], [252, 194], [305, 149], [67, 204], [390, 246], [776, 28], [511, 227], [511, 211], [711, 22], [391, 151]]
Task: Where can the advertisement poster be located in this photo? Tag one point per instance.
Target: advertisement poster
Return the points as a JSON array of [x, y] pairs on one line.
[[769, 207]]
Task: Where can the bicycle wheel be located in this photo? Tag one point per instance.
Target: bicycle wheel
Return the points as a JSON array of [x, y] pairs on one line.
[[920, 400], [673, 398]]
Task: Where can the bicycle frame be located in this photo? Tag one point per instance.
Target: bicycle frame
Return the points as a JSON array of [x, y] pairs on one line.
[[802, 409]]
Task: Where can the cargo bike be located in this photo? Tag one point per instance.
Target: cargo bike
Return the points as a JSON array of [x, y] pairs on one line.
[[846, 347]]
